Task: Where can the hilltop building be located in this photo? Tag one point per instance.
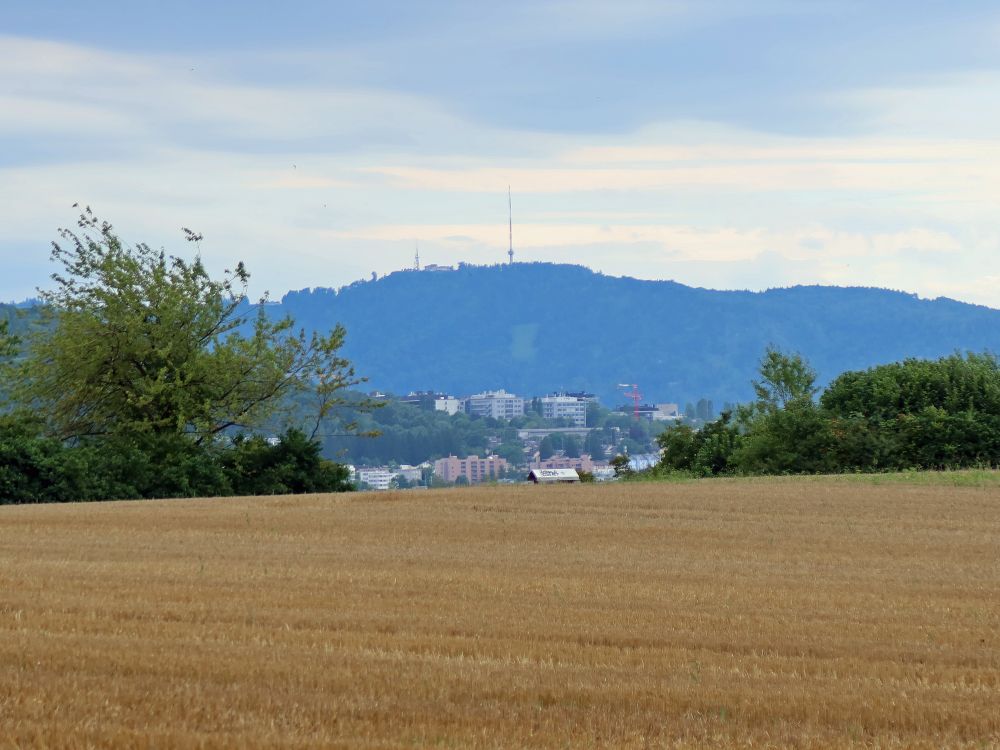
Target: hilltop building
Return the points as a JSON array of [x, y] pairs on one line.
[[473, 468], [496, 404], [571, 406]]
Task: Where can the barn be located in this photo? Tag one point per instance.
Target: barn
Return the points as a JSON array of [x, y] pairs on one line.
[[553, 476]]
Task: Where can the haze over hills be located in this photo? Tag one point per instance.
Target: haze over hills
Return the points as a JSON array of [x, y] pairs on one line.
[[535, 328]]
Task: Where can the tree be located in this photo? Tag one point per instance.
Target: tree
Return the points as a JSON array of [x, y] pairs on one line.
[[595, 414], [783, 378], [706, 452], [140, 343], [620, 464], [545, 449], [594, 445], [512, 451], [794, 440], [8, 341], [705, 410], [571, 447]]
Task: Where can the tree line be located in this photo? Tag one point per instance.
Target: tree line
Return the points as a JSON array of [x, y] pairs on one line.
[[143, 376], [914, 414]]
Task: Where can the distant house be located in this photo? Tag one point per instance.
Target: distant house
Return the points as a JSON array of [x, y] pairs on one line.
[[553, 476]]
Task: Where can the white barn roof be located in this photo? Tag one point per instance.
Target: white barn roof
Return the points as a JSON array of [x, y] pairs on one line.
[[545, 476]]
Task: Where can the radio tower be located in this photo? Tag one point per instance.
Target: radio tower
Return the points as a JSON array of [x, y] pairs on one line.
[[510, 228], [416, 256]]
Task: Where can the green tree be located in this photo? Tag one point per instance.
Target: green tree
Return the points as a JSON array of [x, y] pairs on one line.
[[595, 414], [545, 449], [620, 464], [594, 445], [137, 342], [705, 410], [571, 446], [8, 341], [512, 451], [797, 439], [291, 464], [783, 378]]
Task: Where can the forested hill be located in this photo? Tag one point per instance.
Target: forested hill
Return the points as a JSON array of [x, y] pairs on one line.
[[534, 328]]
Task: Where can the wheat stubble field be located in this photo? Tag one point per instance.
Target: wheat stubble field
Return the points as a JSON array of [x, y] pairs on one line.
[[720, 613]]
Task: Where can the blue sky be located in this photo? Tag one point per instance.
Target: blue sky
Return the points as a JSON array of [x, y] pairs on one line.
[[721, 144]]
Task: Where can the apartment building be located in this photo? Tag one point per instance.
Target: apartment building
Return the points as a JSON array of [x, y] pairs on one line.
[[496, 404], [473, 468], [571, 406]]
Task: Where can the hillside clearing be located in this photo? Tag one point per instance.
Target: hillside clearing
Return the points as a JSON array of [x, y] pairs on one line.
[[803, 613]]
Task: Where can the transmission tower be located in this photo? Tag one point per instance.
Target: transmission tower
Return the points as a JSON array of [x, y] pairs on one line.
[[510, 228]]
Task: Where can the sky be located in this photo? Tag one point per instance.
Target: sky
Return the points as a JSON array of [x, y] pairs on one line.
[[724, 144]]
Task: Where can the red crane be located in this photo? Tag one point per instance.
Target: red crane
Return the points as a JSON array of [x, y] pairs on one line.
[[635, 396]]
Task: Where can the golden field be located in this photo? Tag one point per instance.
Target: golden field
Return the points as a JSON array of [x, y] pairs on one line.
[[751, 613]]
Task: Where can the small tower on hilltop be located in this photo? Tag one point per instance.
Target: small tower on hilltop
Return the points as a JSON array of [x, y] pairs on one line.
[[510, 228], [416, 256]]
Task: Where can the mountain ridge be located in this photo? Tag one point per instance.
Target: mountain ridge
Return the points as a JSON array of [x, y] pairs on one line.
[[537, 327]]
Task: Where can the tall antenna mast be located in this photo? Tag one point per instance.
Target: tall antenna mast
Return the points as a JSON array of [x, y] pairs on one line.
[[416, 256], [510, 228]]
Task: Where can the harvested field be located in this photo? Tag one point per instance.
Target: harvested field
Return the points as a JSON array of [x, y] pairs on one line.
[[725, 613]]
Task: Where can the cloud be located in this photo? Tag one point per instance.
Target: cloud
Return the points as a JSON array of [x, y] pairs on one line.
[[314, 183]]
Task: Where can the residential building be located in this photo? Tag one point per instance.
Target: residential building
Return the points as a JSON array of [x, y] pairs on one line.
[[410, 473], [566, 406], [448, 404], [643, 461], [496, 404], [654, 412], [438, 401], [473, 468], [376, 477], [667, 412], [537, 433]]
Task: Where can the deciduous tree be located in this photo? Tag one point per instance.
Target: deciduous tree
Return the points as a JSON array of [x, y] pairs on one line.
[[140, 342]]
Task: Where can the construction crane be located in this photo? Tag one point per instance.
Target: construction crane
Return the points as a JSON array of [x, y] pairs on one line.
[[634, 395]]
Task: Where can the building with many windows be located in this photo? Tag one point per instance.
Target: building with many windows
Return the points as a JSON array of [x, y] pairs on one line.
[[496, 404], [572, 406], [376, 477], [473, 468]]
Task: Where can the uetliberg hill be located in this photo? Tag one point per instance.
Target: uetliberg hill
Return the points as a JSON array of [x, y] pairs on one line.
[[535, 328]]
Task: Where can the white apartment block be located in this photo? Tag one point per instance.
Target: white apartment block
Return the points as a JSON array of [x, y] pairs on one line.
[[448, 404], [564, 406], [496, 404], [376, 477]]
